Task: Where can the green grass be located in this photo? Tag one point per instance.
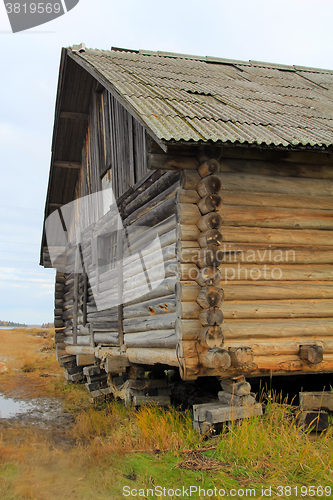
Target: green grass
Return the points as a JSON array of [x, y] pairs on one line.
[[120, 447]]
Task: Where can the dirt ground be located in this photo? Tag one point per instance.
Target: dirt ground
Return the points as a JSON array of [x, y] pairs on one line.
[[39, 457]]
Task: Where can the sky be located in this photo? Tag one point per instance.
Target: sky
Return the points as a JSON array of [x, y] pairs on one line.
[[279, 31]]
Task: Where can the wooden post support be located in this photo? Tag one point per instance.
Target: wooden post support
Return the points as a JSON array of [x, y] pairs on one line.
[[116, 364], [216, 412], [85, 359], [76, 291], [231, 400], [238, 386], [311, 353], [217, 415], [119, 254], [315, 421], [310, 401], [85, 297], [151, 400], [91, 330]]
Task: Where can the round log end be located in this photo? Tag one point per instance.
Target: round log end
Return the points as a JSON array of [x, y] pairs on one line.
[[212, 337], [210, 256], [241, 356], [210, 296], [209, 167], [209, 276], [209, 185], [186, 372], [214, 237], [210, 203], [210, 221], [211, 317], [216, 358]]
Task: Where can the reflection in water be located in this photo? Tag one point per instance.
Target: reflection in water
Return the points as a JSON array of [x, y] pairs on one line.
[[9, 407]]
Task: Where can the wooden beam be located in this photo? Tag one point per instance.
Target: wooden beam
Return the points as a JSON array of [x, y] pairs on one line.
[[68, 164], [314, 421], [311, 401], [55, 205], [71, 115], [224, 414], [171, 162]]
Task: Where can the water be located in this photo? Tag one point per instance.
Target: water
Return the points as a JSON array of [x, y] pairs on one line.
[[9, 407], [10, 327]]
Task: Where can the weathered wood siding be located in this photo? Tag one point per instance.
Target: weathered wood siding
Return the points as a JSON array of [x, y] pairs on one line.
[[132, 302]]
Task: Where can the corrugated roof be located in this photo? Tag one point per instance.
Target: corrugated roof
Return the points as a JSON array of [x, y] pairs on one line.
[[192, 98]]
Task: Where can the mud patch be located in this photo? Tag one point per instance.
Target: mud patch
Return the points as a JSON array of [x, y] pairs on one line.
[[45, 415]]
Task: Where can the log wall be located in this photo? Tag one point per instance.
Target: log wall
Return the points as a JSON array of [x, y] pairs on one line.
[[134, 304], [256, 275], [223, 267]]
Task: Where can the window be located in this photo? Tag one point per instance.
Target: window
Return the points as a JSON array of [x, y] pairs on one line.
[[107, 252]]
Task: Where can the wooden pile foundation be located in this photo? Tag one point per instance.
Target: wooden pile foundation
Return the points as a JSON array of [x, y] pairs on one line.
[[235, 402]]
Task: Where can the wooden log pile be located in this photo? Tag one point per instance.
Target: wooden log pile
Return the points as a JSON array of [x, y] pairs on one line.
[[73, 373], [140, 389], [234, 402], [97, 381]]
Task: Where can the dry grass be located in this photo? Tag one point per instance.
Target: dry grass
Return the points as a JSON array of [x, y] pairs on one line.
[[30, 358], [274, 448], [117, 429], [35, 464]]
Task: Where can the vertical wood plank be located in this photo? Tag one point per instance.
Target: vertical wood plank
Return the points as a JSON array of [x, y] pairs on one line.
[[120, 282], [85, 297], [76, 293]]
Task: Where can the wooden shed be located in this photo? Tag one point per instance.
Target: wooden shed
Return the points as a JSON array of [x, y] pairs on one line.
[[215, 254]]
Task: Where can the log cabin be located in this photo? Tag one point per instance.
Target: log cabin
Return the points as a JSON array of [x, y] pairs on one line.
[[191, 213]]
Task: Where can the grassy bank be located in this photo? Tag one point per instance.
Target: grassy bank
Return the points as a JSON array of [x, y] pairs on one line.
[[113, 452]]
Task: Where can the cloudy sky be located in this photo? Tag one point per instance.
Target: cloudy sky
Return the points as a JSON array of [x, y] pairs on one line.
[[281, 31]]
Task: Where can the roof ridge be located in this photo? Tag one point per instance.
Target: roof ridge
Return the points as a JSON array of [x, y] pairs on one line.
[[213, 59]]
